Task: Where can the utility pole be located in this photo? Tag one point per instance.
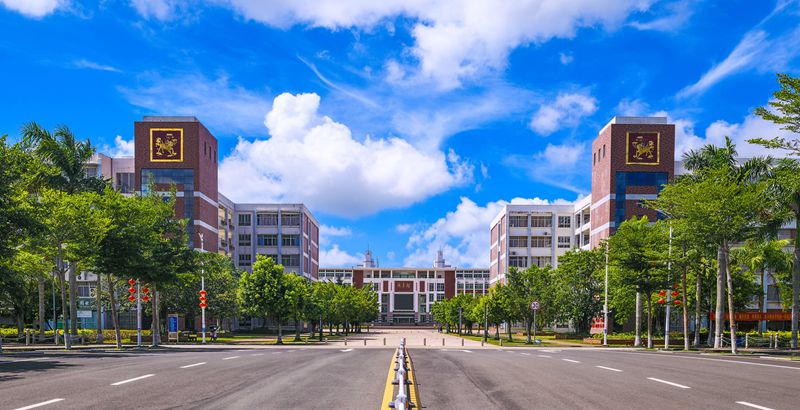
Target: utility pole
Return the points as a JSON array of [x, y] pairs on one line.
[[669, 292], [138, 314], [203, 287], [485, 320], [605, 304], [459, 320]]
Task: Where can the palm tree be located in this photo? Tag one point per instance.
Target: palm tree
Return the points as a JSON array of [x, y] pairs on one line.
[[711, 159], [66, 157], [759, 255]]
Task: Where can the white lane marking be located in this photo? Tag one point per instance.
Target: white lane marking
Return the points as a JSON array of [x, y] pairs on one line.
[[193, 365], [346, 350], [526, 354], [465, 351], [242, 350], [545, 356], [570, 360], [132, 380], [669, 383], [717, 360], [24, 360], [755, 406], [609, 368], [232, 357], [257, 354], [44, 403], [289, 351], [277, 352]]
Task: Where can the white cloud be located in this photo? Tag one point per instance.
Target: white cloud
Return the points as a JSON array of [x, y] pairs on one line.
[[565, 166], [219, 104], [565, 111], [631, 108], [121, 148], [91, 65], [158, 9], [326, 232], [335, 257], [674, 16], [462, 234], [403, 228], [454, 40], [35, 8], [565, 58], [311, 158], [764, 49]]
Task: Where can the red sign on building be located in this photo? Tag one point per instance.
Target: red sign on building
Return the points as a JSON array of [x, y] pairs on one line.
[[642, 148], [756, 316], [405, 286]]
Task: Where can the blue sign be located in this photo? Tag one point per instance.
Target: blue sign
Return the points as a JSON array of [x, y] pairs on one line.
[[173, 324]]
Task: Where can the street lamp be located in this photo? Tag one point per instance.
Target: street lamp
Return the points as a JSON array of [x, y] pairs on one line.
[[459, 320], [605, 304], [203, 288]]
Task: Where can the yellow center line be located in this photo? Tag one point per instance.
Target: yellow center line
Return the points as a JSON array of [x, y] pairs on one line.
[[414, 390], [388, 392]]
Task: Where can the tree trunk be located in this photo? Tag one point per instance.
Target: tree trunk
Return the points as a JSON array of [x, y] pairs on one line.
[[73, 304], [496, 331], [40, 321], [796, 281], [98, 295], [280, 333], [510, 338], [731, 312], [528, 323], [697, 307], [296, 330], [762, 273], [685, 308], [114, 317], [649, 321], [156, 307], [64, 311], [637, 341], [719, 319]]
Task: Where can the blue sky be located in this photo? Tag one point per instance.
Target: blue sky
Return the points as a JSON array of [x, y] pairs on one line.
[[403, 125]]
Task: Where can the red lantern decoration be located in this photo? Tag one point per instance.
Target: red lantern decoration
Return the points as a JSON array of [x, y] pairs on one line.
[[131, 298], [145, 298], [145, 290], [677, 302], [661, 301], [132, 289], [132, 282], [202, 292], [675, 294], [662, 293], [203, 305], [202, 298]]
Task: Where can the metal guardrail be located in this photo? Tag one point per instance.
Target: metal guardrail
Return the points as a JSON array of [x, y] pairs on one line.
[[405, 395]]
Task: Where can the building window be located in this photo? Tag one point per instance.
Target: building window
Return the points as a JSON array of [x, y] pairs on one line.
[[430, 286], [126, 182], [244, 239], [518, 221], [563, 242], [290, 260], [290, 240], [267, 240], [439, 297], [267, 219], [541, 241], [541, 261], [245, 259], [604, 150], [518, 242], [564, 221], [290, 219], [244, 220], [518, 261], [440, 287], [540, 221]]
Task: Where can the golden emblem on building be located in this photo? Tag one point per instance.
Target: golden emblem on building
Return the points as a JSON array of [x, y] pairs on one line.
[[166, 144], [642, 148]]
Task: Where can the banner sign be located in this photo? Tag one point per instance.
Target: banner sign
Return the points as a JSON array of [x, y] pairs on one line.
[[166, 145], [404, 286], [756, 316]]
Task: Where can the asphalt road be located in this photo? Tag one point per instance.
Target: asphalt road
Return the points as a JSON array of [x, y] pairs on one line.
[[353, 378]]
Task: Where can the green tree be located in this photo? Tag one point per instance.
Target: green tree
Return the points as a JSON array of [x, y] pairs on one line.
[[638, 251], [579, 282], [297, 296], [263, 293], [529, 285], [723, 201]]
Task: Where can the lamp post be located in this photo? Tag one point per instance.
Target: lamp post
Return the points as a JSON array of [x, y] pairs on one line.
[[459, 320], [203, 289], [605, 304], [485, 319], [669, 294]]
